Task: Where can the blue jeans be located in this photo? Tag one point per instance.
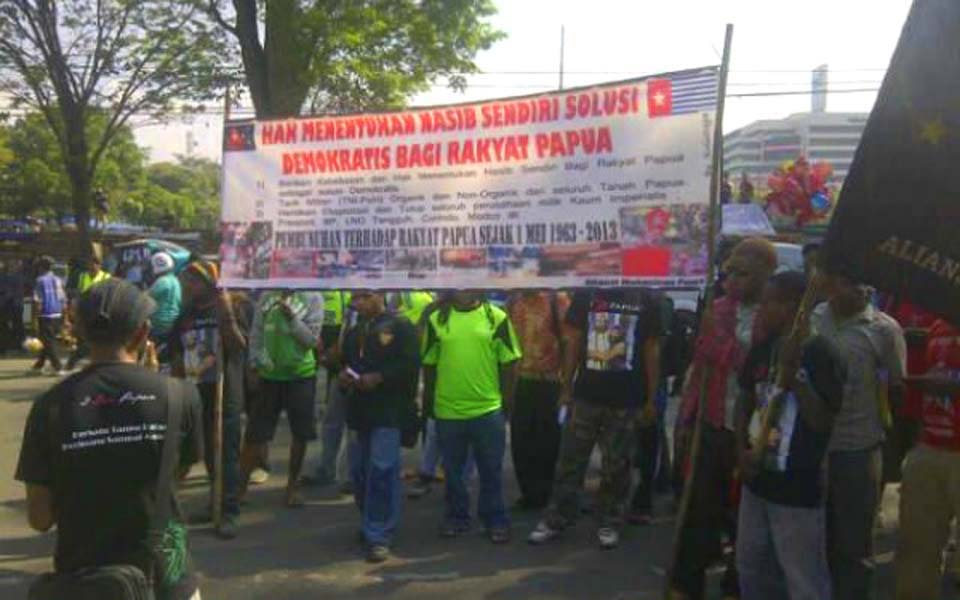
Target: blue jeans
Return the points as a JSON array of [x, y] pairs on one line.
[[431, 455], [487, 437], [781, 551], [375, 467]]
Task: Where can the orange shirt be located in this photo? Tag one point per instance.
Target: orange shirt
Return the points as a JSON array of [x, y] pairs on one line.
[[539, 327]]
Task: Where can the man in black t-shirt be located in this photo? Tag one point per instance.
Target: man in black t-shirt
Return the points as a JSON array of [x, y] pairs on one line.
[[614, 342], [92, 448], [797, 388]]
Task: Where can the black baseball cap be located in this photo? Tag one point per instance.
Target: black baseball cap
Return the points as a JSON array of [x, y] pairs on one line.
[[111, 311]]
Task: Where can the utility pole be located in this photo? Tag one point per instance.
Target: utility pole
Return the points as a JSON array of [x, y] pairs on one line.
[[562, 39]]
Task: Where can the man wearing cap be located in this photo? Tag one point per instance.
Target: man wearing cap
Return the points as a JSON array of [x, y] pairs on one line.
[[720, 352], [284, 340], [166, 292], [203, 340], [876, 352], [92, 446]]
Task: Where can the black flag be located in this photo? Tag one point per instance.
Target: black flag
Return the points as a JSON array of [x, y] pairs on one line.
[[897, 223]]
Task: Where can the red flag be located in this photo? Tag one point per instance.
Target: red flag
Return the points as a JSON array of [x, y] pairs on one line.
[[659, 97]]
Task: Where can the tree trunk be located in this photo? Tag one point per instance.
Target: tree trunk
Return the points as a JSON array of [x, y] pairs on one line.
[[288, 48]]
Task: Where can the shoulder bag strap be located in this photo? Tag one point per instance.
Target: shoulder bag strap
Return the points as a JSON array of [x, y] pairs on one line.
[[168, 468]]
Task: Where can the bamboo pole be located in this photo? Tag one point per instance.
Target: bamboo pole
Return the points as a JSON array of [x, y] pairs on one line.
[[714, 220]]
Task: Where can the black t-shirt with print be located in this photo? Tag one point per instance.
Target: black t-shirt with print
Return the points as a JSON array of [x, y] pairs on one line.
[[194, 342], [615, 324], [95, 441], [792, 471]]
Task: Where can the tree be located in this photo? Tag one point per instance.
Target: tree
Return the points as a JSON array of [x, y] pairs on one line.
[[349, 55], [116, 58], [186, 192], [37, 176]]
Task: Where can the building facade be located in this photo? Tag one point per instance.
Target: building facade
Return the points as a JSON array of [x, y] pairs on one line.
[[759, 148]]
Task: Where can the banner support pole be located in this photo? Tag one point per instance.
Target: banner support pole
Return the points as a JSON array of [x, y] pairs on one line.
[[712, 225]]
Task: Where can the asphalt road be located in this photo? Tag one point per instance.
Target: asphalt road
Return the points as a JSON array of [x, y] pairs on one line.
[[312, 552]]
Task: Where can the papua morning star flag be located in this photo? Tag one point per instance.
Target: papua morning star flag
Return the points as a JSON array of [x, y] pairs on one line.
[[897, 224]]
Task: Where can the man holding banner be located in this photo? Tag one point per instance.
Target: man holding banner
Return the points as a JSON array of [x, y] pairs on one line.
[[895, 227]]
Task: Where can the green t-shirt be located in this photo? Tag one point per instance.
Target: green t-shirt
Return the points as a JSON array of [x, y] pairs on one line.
[[467, 351], [289, 359], [412, 305], [335, 303]]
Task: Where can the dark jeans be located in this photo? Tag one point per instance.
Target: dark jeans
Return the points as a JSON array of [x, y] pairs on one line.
[[48, 329], [535, 439], [232, 426], [710, 517], [375, 468], [487, 437], [853, 494], [647, 458]]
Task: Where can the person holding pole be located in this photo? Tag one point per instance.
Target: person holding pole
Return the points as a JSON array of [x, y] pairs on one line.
[[793, 382], [204, 340], [720, 351], [876, 350], [284, 341]]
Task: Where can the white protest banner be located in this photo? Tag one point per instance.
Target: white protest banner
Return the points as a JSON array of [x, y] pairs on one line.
[[600, 186]]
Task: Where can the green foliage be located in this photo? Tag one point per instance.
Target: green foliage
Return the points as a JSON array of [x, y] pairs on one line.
[[351, 55], [73, 62], [37, 183]]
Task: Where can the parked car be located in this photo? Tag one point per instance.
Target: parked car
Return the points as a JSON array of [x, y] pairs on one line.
[[131, 260]]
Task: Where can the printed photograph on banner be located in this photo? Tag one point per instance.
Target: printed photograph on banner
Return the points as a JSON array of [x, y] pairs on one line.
[[345, 263], [246, 250], [580, 259], [663, 241], [412, 261], [294, 262], [513, 262], [610, 341], [462, 260]]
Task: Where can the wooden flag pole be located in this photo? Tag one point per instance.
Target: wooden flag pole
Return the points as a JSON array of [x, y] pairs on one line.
[[218, 391], [801, 325], [714, 221]]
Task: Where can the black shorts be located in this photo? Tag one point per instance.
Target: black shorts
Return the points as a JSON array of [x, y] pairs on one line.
[[296, 398]]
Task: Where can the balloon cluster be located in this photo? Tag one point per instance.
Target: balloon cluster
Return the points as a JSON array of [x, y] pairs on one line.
[[799, 190]]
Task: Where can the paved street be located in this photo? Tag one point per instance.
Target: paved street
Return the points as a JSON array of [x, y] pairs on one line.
[[312, 553]]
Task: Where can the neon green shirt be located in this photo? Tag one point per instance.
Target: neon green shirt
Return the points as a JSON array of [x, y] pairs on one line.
[[412, 305], [283, 355], [335, 304], [87, 281], [467, 351]]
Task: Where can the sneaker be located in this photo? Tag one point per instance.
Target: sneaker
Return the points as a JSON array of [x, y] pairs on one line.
[[346, 488], [452, 529], [62, 373], [377, 554], [609, 538], [259, 476], [418, 489], [543, 533], [228, 528]]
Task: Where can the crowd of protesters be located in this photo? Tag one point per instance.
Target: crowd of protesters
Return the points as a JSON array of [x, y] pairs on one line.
[[797, 406]]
